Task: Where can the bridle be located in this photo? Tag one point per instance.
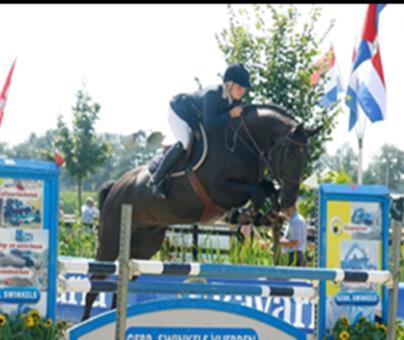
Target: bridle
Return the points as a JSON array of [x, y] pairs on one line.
[[264, 157]]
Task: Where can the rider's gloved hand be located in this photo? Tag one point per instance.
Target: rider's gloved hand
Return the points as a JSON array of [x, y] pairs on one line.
[[235, 112]]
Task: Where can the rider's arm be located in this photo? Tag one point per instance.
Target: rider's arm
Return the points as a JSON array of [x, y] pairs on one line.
[[211, 117]]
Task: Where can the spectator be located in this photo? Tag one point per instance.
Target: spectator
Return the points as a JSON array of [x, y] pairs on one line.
[[61, 212], [295, 241], [293, 244], [89, 212]]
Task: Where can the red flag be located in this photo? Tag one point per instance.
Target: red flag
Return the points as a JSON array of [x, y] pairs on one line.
[[4, 93], [59, 159]]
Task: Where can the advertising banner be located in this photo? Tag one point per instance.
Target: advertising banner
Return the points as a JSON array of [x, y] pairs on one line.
[[23, 269]]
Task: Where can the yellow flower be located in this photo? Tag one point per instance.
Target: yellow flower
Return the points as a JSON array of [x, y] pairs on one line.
[[344, 335], [344, 320], [47, 323], [3, 320], [30, 322], [34, 313]]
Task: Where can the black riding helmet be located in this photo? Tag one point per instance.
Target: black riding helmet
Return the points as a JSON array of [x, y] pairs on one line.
[[238, 74]]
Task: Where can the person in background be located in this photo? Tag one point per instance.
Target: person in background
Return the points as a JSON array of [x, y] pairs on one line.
[[89, 213], [294, 243]]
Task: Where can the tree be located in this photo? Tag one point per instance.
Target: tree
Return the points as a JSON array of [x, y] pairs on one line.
[[35, 147], [344, 160], [83, 151], [129, 152], [387, 168], [279, 55]]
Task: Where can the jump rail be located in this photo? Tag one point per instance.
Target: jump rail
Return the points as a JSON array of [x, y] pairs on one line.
[[140, 267], [86, 285]]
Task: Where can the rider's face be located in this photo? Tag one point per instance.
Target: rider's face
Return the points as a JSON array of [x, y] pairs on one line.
[[237, 91]]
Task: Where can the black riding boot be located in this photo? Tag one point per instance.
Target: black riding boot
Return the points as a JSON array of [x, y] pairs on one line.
[[157, 181]]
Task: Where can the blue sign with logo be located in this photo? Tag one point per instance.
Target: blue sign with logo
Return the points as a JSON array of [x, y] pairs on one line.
[[19, 295], [357, 298], [23, 236]]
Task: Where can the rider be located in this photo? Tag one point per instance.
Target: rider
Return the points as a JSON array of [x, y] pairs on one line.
[[215, 106]]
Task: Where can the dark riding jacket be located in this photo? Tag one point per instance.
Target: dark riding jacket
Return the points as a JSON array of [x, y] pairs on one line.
[[207, 105]]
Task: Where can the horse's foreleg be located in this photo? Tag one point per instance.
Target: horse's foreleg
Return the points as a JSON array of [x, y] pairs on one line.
[[271, 192]]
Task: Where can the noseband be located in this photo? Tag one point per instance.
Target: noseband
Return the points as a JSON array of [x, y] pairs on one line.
[[264, 157]]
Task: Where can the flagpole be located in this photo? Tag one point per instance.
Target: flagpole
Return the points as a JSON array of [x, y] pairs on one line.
[[360, 134]]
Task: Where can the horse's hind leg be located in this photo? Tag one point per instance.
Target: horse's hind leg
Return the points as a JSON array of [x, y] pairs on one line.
[[90, 297], [108, 250], [145, 242]]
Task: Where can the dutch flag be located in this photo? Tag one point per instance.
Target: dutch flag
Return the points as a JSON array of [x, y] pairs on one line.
[[332, 86], [371, 93]]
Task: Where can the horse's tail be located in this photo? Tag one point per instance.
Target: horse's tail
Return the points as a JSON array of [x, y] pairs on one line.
[[103, 193]]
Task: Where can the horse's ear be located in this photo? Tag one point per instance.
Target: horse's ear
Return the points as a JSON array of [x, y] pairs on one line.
[[299, 129], [315, 131]]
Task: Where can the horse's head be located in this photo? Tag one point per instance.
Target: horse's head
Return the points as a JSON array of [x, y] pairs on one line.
[[287, 163], [285, 141]]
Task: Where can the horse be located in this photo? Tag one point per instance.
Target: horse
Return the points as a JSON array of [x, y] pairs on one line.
[[265, 136]]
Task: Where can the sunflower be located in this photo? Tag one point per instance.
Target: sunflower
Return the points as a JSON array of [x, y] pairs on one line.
[[30, 322], [34, 313], [362, 319], [344, 335], [344, 320], [48, 323], [3, 320]]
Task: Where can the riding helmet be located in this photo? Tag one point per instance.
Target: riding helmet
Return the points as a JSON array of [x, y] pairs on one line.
[[238, 74]]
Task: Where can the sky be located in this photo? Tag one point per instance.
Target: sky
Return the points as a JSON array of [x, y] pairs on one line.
[[134, 58]]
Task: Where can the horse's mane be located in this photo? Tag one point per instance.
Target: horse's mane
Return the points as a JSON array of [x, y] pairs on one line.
[[272, 109]]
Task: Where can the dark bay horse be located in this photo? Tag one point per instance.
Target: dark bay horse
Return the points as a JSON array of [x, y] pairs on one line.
[[232, 173]]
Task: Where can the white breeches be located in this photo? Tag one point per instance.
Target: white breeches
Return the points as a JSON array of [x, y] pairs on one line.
[[180, 128]]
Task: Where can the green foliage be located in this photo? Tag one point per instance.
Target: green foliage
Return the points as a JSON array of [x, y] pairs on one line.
[[77, 240], [83, 151], [363, 330], [68, 201], [129, 151], [307, 206], [387, 168], [30, 326], [177, 249], [345, 159], [278, 50], [35, 147]]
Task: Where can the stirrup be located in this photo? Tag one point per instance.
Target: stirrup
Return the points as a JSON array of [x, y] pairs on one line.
[[158, 190]]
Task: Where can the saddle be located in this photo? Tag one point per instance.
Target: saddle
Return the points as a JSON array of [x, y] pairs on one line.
[[191, 157], [190, 162]]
